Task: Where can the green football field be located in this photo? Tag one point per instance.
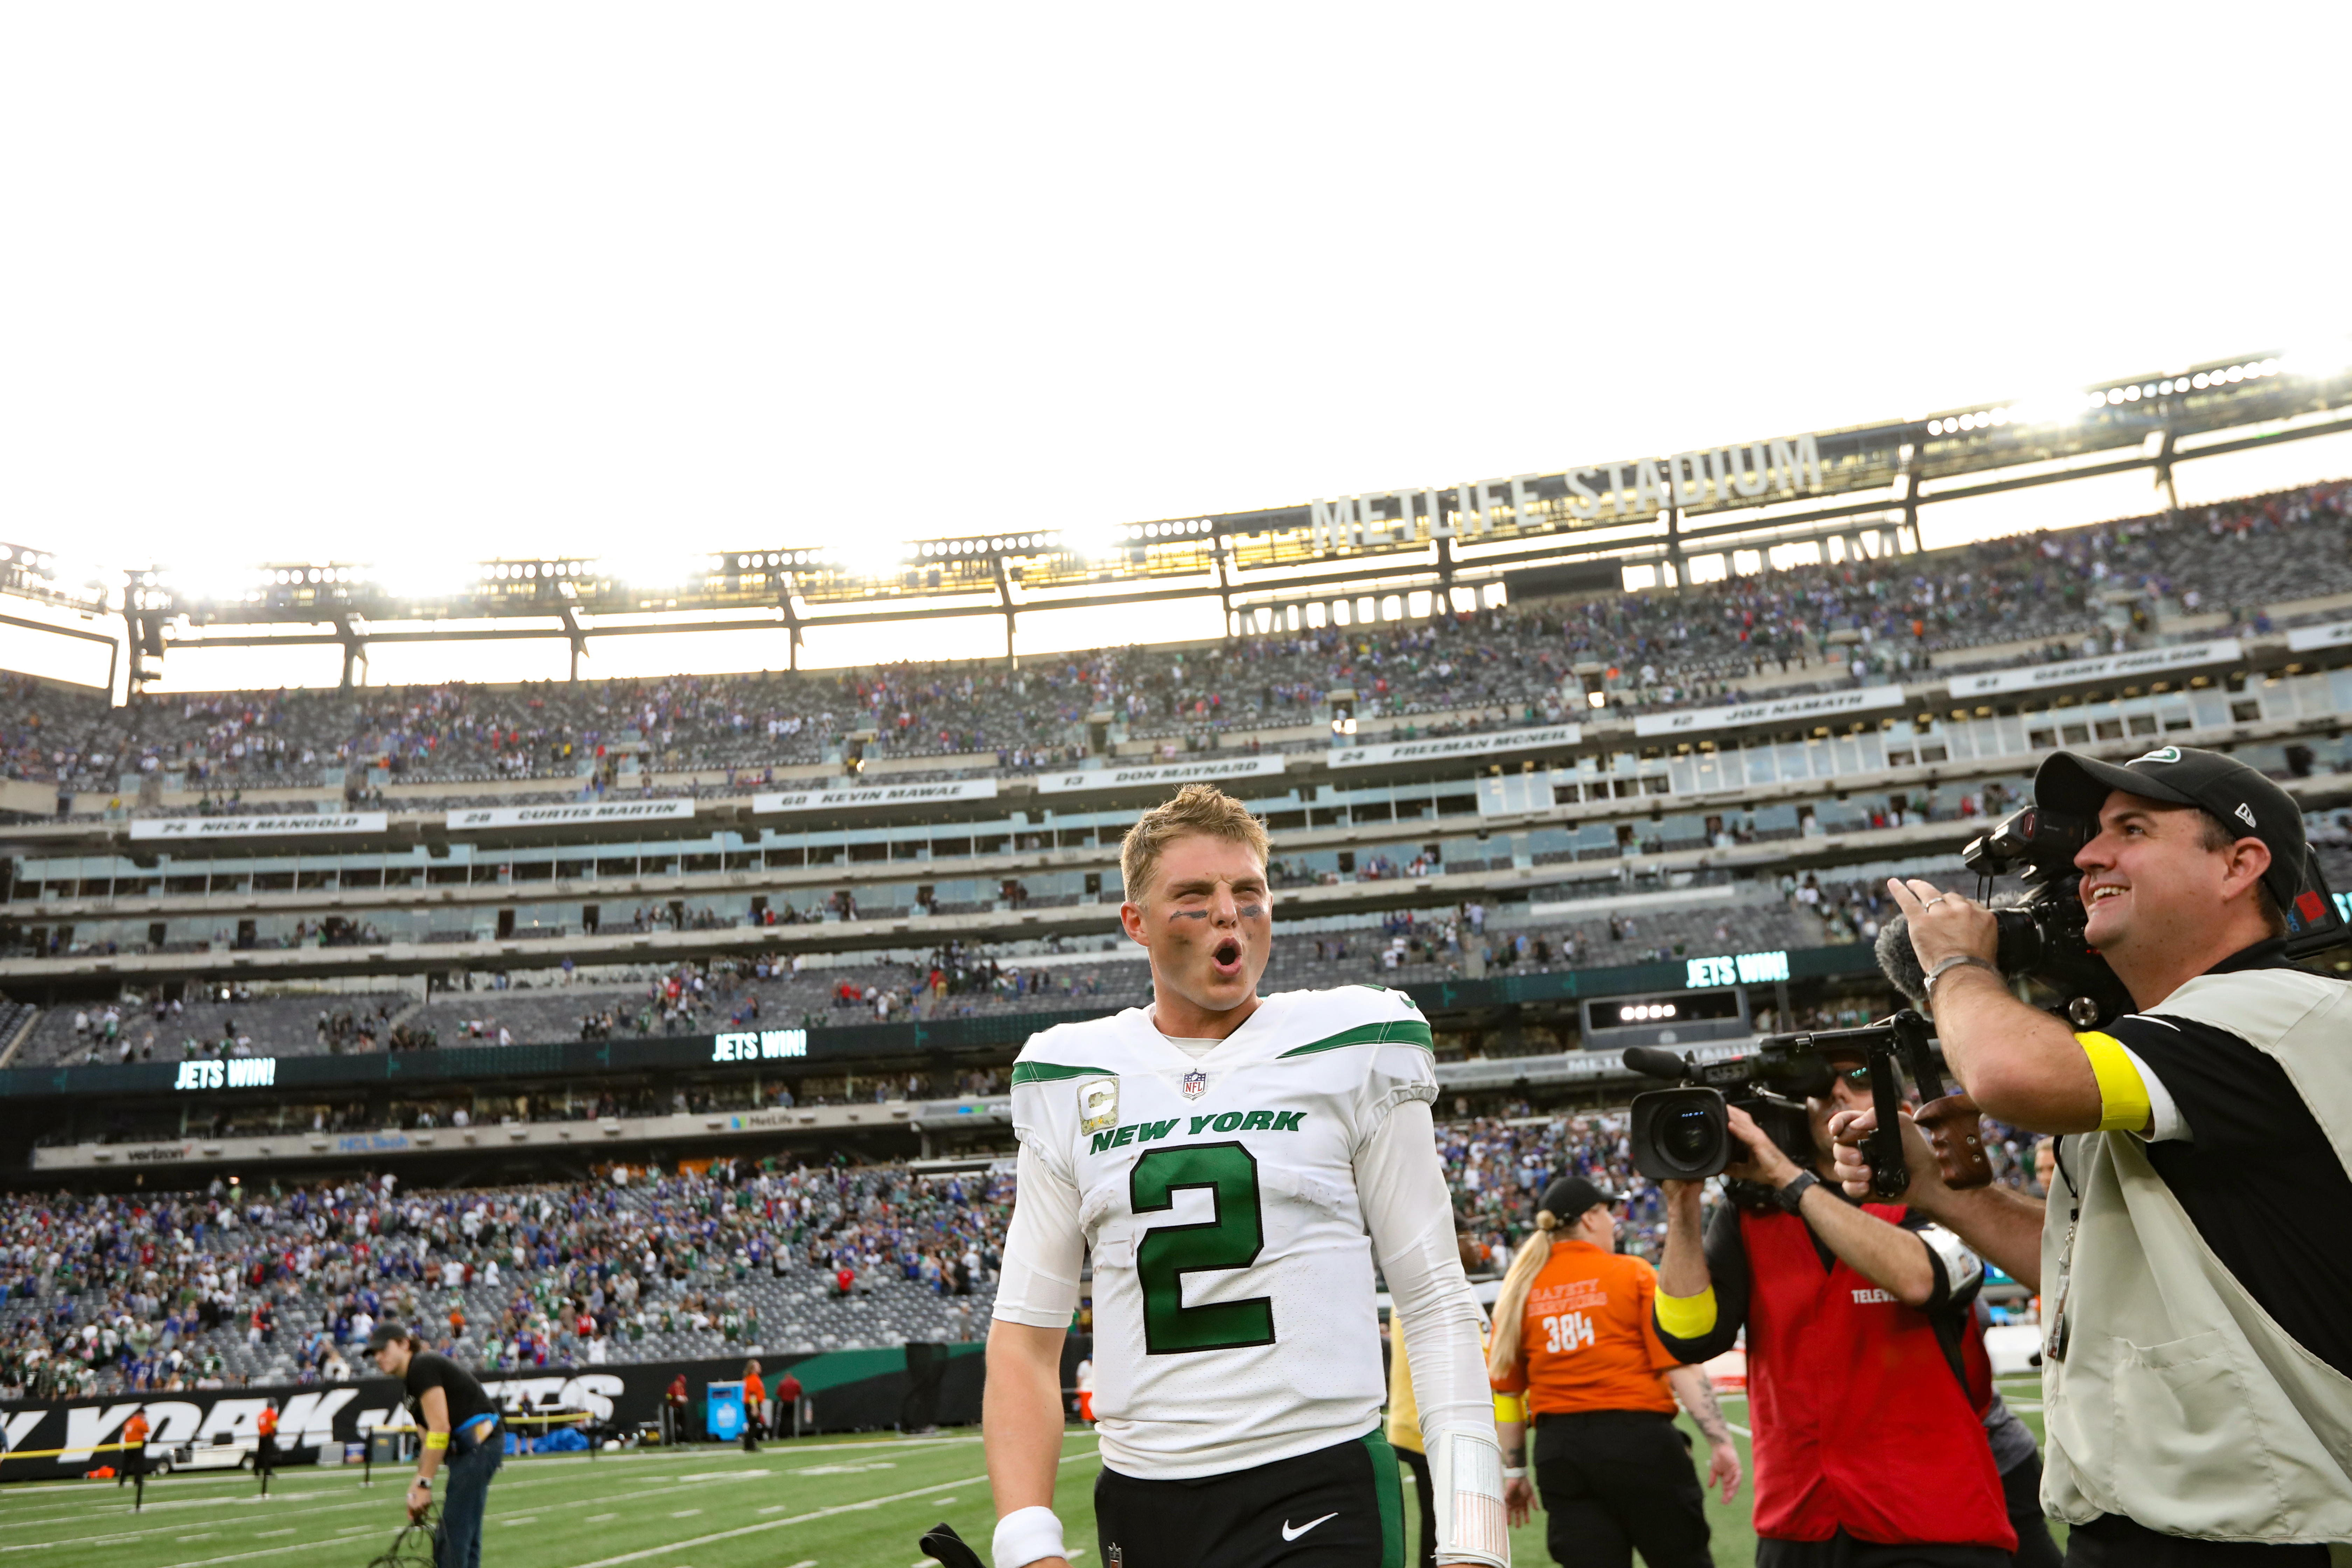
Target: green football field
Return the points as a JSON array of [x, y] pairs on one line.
[[818, 1503]]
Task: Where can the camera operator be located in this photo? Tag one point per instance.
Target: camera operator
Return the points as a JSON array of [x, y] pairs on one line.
[[2195, 1269], [1867, 1371]]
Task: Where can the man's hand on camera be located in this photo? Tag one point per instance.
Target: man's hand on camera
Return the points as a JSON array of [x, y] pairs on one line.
[[1682, 1194], [1847, 1129], [1944, 925], [1765, 1162]]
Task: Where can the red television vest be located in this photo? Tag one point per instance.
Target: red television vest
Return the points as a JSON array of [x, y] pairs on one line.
[[1859, 1420]]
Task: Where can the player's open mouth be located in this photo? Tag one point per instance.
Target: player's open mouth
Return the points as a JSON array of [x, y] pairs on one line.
[[1227, 957]]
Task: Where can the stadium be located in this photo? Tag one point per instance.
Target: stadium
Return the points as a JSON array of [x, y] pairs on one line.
[[617, 1031]]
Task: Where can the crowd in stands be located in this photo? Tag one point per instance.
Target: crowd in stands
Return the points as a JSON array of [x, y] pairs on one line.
[[102, 1294], [161, 1290], [2054, 594], [953, 981]]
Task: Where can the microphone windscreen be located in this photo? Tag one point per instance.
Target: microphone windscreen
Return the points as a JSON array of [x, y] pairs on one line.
[[1899, 962], [1652, 1062]]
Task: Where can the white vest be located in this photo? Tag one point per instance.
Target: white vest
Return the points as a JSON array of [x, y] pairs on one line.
[[2180, 1403]]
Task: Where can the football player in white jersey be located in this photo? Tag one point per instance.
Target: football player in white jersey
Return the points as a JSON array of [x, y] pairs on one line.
[[1236, 1164]]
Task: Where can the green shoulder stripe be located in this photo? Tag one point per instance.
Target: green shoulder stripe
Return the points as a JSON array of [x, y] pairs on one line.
[[1391, 1032], [1047, 1072]]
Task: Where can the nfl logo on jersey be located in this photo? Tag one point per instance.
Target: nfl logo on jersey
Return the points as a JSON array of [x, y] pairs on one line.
[[1196, 1084]]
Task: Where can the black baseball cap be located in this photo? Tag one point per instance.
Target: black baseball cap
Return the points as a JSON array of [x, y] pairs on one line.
[[2253, 805], [384, 1334], [1569, 1196]]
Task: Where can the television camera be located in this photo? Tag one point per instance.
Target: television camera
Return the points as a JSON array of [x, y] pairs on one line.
[[1684, 1133]]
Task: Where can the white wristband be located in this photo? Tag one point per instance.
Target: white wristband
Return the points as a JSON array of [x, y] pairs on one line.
[[1024, 1535]]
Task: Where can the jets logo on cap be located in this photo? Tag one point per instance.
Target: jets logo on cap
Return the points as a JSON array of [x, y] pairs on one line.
[[2245, 814], [2161, 755]]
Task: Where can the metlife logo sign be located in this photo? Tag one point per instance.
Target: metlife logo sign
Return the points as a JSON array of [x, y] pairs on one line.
[[765, 1044]]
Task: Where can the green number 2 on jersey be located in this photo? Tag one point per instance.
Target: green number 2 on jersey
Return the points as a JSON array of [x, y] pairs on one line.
[[1232, 1239]]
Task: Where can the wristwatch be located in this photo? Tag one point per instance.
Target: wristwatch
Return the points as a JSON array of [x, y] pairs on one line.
[[1793, 1196]]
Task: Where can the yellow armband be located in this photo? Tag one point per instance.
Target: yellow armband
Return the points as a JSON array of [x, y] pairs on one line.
[[2122, 1093], [437, 1439], [1510, 1408], [1687, 1317]]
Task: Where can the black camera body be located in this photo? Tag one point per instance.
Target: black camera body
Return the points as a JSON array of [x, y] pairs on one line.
[[2041, 934], [1684, 1133]]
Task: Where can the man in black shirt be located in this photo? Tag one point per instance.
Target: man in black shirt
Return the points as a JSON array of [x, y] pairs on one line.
[[2223, 1084], [458, 1423]]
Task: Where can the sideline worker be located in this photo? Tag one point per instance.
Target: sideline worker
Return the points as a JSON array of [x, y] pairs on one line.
[[755, 1404], [788, 1402], [1867, 1376], [265, 1447], [1575, 1340], [457, 1420], [134, 1448], [2195, 1259]]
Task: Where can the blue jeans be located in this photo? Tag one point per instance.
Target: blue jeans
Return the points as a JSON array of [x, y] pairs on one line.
[[458, 1543]]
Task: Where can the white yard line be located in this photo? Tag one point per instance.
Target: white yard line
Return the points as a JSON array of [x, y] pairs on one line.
[[677, 1546]]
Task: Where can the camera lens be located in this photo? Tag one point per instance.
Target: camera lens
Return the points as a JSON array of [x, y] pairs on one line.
[[1686, 1136]]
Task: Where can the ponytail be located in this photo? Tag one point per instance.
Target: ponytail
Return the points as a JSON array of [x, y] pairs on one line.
[[1511, 1301]]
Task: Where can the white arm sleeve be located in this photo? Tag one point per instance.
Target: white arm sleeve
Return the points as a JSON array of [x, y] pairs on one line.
[[1402, 1186], [1043, 1248]]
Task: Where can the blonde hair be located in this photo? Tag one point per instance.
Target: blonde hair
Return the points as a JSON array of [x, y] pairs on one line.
[[1511, 1300], [1197, 808]]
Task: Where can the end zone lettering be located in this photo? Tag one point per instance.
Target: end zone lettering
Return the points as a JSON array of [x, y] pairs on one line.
[[764, 1045], [237, 1072]]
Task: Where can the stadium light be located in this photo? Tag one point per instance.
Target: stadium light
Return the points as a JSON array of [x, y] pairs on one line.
[[869, 555], [652, 570], [1092, 542], [202, 582], [2321, 358]]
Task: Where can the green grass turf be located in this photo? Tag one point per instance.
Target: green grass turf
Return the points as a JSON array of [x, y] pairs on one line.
[[832, 1502]]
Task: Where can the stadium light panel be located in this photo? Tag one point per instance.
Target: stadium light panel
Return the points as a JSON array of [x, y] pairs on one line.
[[2322, 358], [873, 556], [656, 569], [1091, 542]]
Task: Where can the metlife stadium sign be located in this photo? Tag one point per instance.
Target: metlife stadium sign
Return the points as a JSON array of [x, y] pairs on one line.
[[584, 813], [305, 825]]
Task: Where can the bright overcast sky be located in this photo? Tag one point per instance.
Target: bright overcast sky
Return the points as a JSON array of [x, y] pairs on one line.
[[313, 283]]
